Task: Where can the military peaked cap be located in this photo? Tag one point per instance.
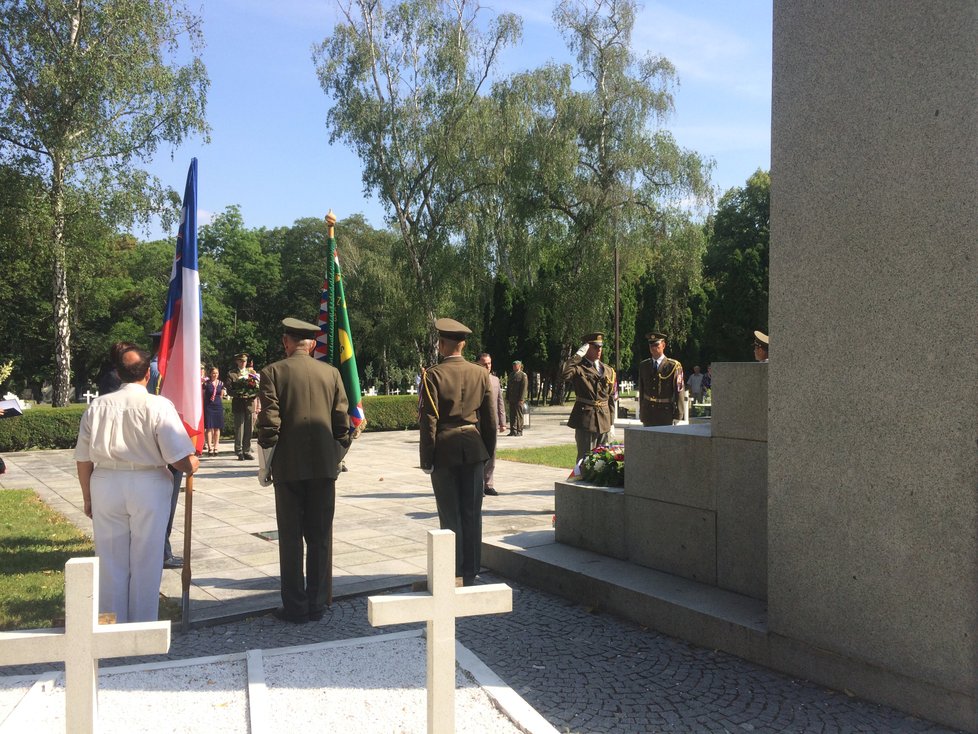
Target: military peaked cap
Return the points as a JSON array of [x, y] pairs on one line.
[[452, 329], [241, 355], [595, 337], [761, 339], [654, 336], [300, 329]]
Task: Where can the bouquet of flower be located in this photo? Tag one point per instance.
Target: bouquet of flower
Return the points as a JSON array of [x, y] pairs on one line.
[[244, 386], [605, 466]]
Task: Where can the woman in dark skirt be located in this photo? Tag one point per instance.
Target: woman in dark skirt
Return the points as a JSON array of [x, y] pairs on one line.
[[213, 411]]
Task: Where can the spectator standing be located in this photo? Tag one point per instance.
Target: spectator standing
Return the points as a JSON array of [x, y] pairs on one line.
[[695, 384], [516, 390], [497, 402], [243, 382], [125, 441], [213, 410], [458, 424], [303, 432]]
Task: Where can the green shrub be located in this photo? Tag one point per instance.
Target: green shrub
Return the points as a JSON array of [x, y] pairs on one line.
[[57, 428], [391, 412], [41, 428]]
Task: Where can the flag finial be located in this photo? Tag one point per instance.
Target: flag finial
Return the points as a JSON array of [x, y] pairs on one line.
[[330, 221]]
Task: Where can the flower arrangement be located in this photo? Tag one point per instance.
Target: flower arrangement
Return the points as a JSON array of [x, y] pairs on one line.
[[605, 466], [244, 386]]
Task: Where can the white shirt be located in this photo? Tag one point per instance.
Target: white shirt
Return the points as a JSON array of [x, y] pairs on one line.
[[132, 426]]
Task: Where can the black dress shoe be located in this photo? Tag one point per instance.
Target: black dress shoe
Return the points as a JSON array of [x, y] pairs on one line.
[[173, 562], [283, 616], [316, 616], [240, 457], [491, 491], [248, 456]]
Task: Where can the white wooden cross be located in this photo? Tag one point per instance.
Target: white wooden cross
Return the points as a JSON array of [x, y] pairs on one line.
[[439, 606], [88, 395], [82, 644]]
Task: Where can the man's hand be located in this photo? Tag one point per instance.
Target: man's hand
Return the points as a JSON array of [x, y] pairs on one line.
[[582, 350], [427, 471], [502, 427]]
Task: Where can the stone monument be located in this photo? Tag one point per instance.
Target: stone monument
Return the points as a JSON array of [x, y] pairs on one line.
[[873, 468]]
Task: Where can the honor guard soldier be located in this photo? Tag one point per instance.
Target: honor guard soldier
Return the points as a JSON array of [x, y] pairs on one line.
[[303, 433], [660, 385], [596, 390], [457, 420]]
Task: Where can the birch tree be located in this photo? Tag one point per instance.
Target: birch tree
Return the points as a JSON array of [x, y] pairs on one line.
[[88, 90]]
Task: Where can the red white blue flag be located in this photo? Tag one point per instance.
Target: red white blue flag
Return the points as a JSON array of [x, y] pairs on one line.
[[179, 356]]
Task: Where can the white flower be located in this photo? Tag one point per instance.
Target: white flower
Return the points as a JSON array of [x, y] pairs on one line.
[[599, 465]]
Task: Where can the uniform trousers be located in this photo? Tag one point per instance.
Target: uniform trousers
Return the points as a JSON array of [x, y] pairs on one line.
[[129, 514], [515, 418], [244, 426], [587, 440], [658, 415], [304, 512], [177, 481], [488, 471], [458, 494]]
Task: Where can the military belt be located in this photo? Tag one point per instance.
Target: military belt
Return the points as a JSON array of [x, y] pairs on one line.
[[659, 400], [442, 428], [127, 466], [595, 403]]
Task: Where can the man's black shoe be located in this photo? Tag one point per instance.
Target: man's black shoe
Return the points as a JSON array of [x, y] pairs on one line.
[[240, 457], [511, 433], [283, 616], [491, 491], [316, 616], [173, 562], [248, 456]]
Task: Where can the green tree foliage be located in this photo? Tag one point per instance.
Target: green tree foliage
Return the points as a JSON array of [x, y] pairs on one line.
[[235, 275], [405, 79], [736, 267], [86, 91], [591, 170]]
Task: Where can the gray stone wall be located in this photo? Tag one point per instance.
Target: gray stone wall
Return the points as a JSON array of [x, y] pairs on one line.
[[873, 468]]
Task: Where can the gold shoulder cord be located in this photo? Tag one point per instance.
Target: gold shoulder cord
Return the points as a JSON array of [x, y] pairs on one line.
[[434, 406], [675, 366]]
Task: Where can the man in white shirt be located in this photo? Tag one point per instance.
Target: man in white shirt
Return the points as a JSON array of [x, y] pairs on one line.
[[125, 442]]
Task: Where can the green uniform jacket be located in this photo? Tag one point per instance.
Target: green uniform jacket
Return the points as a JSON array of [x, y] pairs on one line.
[[658, 393], [303, 414], [239, 405], [516, 387], [594, 405], [456, 415]]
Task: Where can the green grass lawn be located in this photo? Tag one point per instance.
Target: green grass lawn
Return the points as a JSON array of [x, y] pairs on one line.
[[35, 544], [563, 456]]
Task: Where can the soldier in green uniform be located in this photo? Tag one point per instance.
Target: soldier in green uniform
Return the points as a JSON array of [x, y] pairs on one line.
[[660, 385], [303, 432], [516, 389], [596, 390], [457, 420], [242, 409]]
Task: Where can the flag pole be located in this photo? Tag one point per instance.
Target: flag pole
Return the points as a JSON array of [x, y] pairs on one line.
[[186, 576], [330, 239]]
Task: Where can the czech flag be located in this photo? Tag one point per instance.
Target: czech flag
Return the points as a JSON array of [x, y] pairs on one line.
[[179, 356]]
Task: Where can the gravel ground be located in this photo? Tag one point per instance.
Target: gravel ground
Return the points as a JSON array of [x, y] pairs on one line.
[[586, 671]]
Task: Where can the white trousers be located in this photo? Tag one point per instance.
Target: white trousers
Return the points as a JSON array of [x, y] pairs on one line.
[[130, 510]]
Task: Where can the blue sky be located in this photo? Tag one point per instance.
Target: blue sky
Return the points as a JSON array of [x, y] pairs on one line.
[[270, 152]]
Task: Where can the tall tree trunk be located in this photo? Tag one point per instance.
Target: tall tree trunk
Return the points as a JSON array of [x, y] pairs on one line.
[[59, 292]]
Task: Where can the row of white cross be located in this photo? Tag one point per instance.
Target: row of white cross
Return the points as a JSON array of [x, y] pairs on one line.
[[84, 641]]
